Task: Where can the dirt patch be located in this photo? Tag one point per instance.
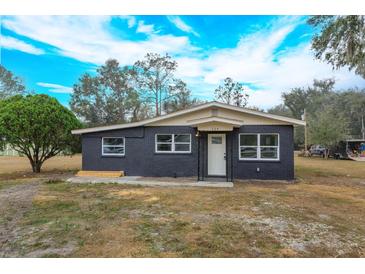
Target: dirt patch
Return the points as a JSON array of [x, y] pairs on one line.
[[15, 201], [130, 192]]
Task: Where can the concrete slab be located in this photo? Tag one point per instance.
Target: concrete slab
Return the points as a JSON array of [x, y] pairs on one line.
[[136, 180]]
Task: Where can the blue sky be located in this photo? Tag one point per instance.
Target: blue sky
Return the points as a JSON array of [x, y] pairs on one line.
[[268, 54]]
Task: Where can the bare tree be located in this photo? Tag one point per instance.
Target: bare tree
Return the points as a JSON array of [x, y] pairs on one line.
[[154, 76], [232, 93], [9, 84]]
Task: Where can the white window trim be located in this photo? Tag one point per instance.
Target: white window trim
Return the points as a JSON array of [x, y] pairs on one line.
[[112, 154], [258, 147], [173, 143]]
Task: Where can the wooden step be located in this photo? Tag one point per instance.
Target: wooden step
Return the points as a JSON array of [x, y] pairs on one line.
[[95, 173]]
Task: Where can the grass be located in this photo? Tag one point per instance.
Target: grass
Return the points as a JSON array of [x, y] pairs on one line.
[[316, 166], [20, 166], [320, 216]]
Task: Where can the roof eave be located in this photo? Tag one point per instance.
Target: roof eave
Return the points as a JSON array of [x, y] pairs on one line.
[[181, 112]]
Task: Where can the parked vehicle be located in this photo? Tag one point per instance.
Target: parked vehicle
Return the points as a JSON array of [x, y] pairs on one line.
[[318, 150], [352, 149]]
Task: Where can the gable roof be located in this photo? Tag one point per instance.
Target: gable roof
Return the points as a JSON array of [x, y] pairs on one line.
[[146, 122]]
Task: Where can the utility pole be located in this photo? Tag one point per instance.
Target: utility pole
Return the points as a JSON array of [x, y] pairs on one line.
[[305, 132], [362, 127]]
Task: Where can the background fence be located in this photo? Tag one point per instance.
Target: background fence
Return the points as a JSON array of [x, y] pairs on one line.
[[8, 151]]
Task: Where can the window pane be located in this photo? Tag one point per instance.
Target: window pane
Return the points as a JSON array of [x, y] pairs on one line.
[[268, 140], [216, 140], [248, 152], [113, 150], [248, 140], [269, 152], [164, 147], [184, 138], [113, 141], [182, 147], [167, 138]]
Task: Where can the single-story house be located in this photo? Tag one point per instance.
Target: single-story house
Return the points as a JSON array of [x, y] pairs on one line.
[[208, 140]]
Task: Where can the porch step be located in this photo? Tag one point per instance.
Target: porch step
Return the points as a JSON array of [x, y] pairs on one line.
[[94, 173]]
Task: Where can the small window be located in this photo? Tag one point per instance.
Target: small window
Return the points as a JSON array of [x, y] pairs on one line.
[[216, 140], [113, 146], [259, 146], [179, 143]]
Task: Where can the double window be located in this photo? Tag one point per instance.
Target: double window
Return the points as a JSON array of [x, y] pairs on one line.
[[261, 146], [113, 146], [178, 143]]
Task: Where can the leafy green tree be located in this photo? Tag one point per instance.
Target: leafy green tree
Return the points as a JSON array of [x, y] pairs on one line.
[[232, 93], [154, 76], [141, 111], [313, 98], [351, 103], [296, 101], [327, 127], [38, 127], [340, 41], [9, 84], [108, 97], [310, 98], [182, 99], [281, 110], [256, 108]]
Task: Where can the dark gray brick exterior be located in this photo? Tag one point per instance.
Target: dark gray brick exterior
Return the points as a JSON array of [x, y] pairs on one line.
[[140, 157], [278, 170]]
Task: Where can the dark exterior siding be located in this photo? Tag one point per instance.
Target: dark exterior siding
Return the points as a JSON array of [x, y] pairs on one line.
[[140, 157], [275, 170]]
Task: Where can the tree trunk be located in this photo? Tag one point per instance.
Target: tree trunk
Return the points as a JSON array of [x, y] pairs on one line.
[[326, 153], [36, 166], [160, 101], [156, 106]]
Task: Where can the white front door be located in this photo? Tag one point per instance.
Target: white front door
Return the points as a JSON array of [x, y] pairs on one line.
[[217, 154]]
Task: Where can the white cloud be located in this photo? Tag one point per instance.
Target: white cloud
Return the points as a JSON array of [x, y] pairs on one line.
[[131, 20], [255, 60], [147, 29], [180, 24], [55, 87], [15, 44], [87, 38], [189, 67]]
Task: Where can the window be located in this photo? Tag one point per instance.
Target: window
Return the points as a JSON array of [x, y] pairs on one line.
[[179, 143], [114, 146], [216, 140], [262, 146]]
